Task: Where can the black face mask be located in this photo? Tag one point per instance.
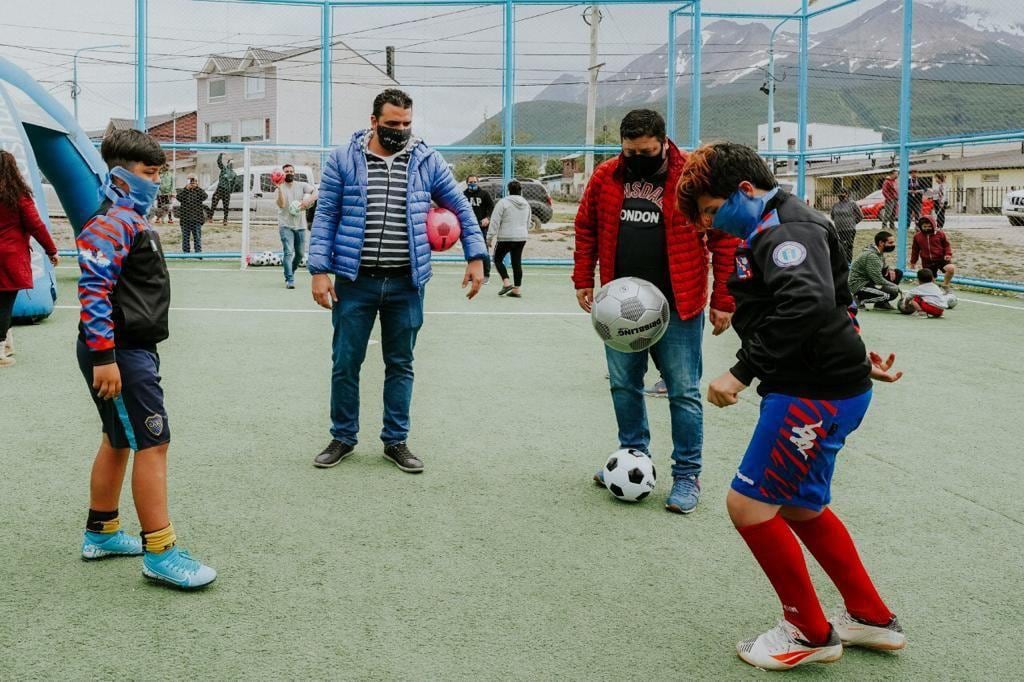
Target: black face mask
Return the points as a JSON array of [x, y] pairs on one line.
[[644, 166], [393, 139], [889, 249], [288, 177]]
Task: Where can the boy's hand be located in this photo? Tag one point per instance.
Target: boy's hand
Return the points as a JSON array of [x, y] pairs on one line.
[[106, 379], [725, 390], [880, 368], [720, 321], [585, 297], [323, 291], [55, 260], [474, 275]]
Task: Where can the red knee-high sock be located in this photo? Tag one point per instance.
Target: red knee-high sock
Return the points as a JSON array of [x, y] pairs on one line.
[[828, 540], [777, 550]]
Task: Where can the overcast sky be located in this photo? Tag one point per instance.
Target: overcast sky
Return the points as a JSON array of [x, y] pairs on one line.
[[449, 58]]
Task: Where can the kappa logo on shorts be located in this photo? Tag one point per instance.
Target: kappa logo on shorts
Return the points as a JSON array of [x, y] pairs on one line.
[[745, 479], [155, 424], [804, 436], [789, 254]]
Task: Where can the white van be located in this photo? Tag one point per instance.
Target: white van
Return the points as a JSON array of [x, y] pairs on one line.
[[262, 204]]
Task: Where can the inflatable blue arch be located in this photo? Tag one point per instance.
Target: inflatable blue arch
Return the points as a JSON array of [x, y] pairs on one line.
[[62, 152]]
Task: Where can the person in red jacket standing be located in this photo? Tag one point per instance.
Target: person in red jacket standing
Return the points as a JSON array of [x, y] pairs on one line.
[[932, 247], [626, 226], [19, 220], [891, 195]]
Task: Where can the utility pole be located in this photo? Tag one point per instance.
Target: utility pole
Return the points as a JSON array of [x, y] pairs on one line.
[[75, 89], [592, 16]]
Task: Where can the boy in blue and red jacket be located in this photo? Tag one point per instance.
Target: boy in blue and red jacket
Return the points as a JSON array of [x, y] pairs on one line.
[[125, 294], [798, 339]]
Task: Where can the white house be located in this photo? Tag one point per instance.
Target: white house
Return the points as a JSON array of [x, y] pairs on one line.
[[274, 97], [819, 136]]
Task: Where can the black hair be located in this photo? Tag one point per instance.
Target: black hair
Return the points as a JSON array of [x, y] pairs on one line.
[[515, 187], [642, 123], [925, 276], [288, 165], [882, 236], [126, 148], [716, 170], [394, 96], [472, 175]]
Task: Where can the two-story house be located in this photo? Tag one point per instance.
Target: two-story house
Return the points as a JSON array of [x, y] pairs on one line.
[[274, 97]]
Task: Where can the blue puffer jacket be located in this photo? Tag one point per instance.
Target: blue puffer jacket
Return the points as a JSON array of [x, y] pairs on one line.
[[336, 242]]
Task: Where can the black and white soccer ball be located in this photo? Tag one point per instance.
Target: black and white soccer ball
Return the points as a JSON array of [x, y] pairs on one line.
[[951, 300], [272, 258], [257, 259], [629, 475], [630, 314]]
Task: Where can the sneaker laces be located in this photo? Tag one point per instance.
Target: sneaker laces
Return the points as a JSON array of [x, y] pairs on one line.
[[782, 636], [183, 563], [685, 485]]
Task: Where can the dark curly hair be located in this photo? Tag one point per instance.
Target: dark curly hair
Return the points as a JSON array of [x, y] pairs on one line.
[[398, 98], [12, 186], [716, 170]]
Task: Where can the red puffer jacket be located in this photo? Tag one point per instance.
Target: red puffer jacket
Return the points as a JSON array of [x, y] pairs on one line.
[[16, 226], [597, 232]]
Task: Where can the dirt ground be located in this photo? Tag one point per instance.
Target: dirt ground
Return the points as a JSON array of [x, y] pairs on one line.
[[995, 252]]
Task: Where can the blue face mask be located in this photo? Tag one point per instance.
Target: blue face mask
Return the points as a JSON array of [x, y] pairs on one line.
[[472, 185], [141, 192], [740, 214]]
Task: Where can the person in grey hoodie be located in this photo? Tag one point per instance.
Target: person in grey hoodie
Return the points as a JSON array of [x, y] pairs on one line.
[[510, 225], [845, 216]]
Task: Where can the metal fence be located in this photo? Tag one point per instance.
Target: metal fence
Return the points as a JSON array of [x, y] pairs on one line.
[[834, 92]]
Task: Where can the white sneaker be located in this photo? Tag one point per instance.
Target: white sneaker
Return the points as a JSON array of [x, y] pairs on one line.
[[888, 637], [784, 647], [9, 343]]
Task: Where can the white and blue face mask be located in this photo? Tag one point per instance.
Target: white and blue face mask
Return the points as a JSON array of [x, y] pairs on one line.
[[741, 214], [141, 191]]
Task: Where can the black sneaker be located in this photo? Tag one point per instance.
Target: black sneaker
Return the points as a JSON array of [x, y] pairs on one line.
[[400, 454], [332, 454], [884, 305]]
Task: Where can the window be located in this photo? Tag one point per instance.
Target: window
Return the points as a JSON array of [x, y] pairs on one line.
[[255, 87], [217, 89], [253, 130], [218, 132], [990, 177]]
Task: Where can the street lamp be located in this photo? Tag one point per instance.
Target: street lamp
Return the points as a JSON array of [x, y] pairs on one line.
[[770, 85], [75, 90]]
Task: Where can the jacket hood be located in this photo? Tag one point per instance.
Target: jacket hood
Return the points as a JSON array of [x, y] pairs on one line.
[[518, 200]]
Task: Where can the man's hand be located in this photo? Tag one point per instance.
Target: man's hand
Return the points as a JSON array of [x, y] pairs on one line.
[[323, 291], [106, 379], [725, 390], [474, 276], [913, 265], [880, 369], [585, 297], [484, 222], [55, 260], [720, 320]]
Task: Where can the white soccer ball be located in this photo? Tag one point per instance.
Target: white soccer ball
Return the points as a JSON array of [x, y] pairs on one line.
[[295, 207], [629, 475], [630, 314], [271, 258], [951, 300], [256, 260]]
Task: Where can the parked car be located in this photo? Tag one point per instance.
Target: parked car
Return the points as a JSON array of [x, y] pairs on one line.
[[533, 191], [1013, 207], [262, 205], [871, 205]]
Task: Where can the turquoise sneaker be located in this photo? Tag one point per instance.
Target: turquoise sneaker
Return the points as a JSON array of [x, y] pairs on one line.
[[684, 496], [103, 545], [175, 567]]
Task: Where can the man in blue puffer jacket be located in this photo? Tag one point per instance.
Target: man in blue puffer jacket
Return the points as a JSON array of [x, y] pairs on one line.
[[370, 230]]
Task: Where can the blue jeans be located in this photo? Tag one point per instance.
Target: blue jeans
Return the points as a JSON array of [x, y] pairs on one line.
[[678, 355], [294, 242], [400, 305]]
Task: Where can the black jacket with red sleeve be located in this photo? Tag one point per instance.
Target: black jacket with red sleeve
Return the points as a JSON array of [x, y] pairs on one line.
[[792, 307]]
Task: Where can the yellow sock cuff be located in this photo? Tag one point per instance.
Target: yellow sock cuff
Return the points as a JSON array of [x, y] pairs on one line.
[[103, 522], [159, 540], [111, 526]]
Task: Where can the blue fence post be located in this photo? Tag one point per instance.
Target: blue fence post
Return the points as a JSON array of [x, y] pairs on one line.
[[508, 85], [905, 92], [670, 107], [801, 106], [326, 87], [695, 68], [140, 64]]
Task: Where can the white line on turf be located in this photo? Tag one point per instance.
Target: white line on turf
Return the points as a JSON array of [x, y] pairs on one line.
[[997, 305], [476, 313]]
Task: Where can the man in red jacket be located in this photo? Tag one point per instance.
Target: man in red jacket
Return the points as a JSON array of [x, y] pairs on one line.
[[931, 245], [891, 195], [625, 226]]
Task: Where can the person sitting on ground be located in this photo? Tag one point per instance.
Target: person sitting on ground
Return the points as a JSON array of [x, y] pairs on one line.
[[845, 216], [931, 245], [871, 280], [927, 298], [510, 227]]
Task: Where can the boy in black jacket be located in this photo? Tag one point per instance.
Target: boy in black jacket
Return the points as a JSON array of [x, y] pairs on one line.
[[125, 294], [815, 375]]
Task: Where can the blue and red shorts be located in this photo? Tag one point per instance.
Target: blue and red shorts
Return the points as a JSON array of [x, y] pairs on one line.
[[792, 453]]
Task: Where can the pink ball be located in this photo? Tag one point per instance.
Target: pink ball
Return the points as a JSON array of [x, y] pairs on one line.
[[443, 229], [277, 177]]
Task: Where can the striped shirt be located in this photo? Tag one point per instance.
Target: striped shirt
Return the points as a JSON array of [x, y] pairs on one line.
[[386, 242]]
